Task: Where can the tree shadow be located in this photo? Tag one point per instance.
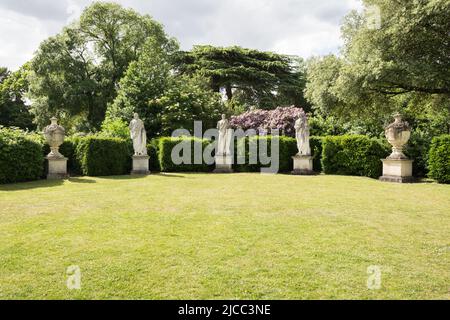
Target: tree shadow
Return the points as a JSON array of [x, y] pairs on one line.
[[81, 180], [31, 185]]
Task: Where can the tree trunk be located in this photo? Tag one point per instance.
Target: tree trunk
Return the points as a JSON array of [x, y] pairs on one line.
[[229, 92]]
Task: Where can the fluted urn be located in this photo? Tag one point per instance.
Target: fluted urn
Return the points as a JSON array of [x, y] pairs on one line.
[[398, 134], [54, 135]]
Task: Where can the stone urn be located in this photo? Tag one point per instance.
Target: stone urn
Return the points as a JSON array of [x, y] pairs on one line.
[[54, 135], [398, 134]]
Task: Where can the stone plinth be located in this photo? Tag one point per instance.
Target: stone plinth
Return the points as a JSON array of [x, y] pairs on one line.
[[57, 168], [397, 170], [224, 164], [303, 165], [140, 165]]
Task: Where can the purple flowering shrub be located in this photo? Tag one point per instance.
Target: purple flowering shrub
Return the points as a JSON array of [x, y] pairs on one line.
[[282, 118]]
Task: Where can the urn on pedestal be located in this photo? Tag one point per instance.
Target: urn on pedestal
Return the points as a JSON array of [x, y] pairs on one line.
[[57, 164], [397, 167]]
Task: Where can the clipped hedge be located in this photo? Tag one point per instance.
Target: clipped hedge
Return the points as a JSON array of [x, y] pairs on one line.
[[166, 164], [353, 155], [287, 149], [439, 159], [21, 157], [101, 156]]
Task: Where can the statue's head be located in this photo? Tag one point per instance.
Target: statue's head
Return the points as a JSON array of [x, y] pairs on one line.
[[135, 116], [224, 116]]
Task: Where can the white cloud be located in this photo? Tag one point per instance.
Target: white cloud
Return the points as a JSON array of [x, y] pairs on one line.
[[299, 27]]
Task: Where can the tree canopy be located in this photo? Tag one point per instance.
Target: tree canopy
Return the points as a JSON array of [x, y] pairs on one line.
[[77, 72], [403, 63], [256, 78], [14, 111]]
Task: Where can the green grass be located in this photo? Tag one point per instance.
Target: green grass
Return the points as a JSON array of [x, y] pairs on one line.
[[240, 236]]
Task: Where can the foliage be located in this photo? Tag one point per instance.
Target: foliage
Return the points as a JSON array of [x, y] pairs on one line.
[[252, 77], [21, 157], [164, 101], [77, 72], [353, 155], [153, 152], [404, 63], [166, 146], [14, 112], [282, 118], [115, 128], [100, 156], [439, 159]]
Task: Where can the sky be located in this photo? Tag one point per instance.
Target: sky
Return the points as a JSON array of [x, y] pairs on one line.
[[297, 27]]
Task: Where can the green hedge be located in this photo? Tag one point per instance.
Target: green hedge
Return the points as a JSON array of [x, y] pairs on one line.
[[439, 159], [287, 149], [353, 155], [153, 152], [21, 157], [100, 156], [166, 145]]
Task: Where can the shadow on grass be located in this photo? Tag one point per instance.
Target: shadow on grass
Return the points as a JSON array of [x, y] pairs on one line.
[[81, 180], [31, 185]]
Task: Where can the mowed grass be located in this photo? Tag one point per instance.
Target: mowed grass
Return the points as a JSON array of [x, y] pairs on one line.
[[238, 236]]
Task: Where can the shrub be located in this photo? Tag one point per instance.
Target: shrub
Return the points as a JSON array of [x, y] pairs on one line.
[[153, 152], [282, 118], [100, 156], [353, 155], [418, 149], [21, 157], [166, 145], [288, 149], [439, 159]]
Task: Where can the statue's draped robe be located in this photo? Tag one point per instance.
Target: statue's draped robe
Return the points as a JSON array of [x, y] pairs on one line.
[[139, 137], [302, 136], [223, 147]]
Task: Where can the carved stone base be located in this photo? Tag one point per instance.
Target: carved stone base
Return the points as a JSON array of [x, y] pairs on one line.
[[303, 165], [224, 164], [140, 165], [57, 168], [397, 170]]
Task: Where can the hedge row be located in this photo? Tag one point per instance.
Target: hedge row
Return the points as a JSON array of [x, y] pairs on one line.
[[166, 146], [353, 155], [439, 159], [21, 157]]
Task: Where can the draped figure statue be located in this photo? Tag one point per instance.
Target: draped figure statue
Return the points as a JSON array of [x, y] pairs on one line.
[[223, 148], [139, 136], [302, 136]]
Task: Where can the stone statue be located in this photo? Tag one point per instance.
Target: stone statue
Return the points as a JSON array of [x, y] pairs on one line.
[[223, 148], [139, 136], [302, 136]]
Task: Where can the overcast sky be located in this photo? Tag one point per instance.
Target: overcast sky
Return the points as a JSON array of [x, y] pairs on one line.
[[298, 27]]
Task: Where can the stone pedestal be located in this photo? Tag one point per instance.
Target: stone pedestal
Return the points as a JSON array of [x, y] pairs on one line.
[[224, 164], [140, 165], [57, 168], [397, 170], [303, 165]]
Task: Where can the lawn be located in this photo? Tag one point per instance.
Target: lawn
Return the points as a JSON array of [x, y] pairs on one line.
[[239, 236]]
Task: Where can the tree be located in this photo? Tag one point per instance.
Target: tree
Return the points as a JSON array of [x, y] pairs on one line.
[[14, 111], [404, 63], [77, 72], [249, 76]]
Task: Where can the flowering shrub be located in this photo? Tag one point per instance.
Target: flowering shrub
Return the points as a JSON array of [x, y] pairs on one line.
[[282, 118]]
